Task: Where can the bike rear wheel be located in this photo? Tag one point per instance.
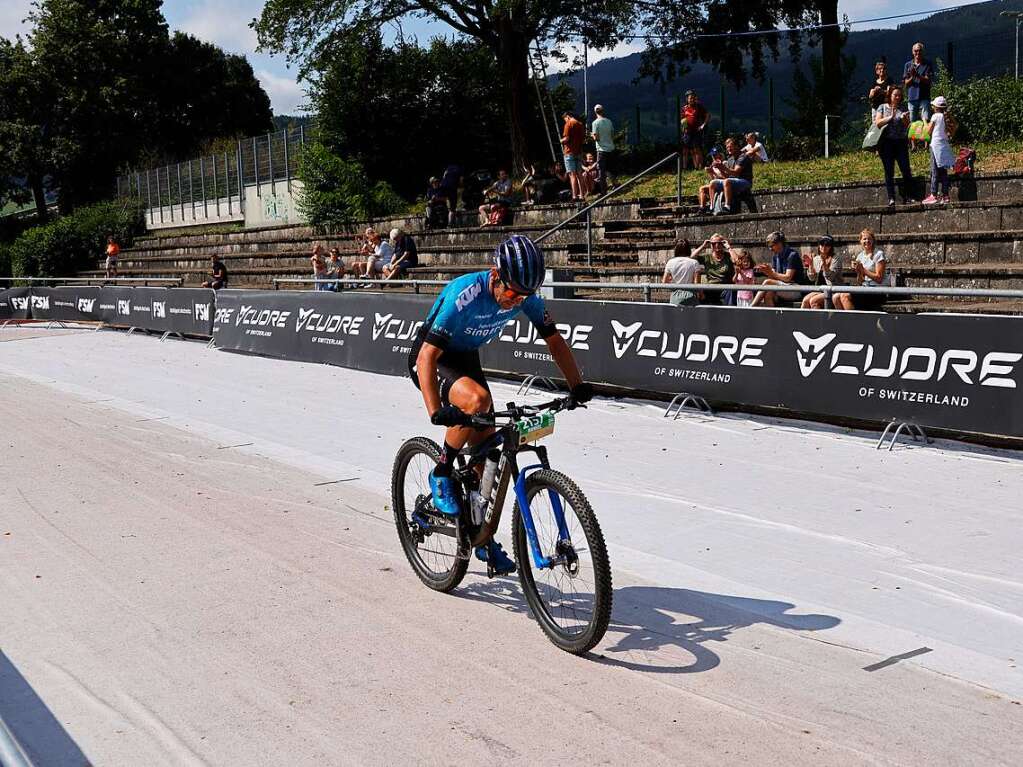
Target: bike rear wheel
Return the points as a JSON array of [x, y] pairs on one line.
[[433, 552], [572, 603]]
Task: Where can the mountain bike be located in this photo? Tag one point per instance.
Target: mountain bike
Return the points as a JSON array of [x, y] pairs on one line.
[[562, 558]]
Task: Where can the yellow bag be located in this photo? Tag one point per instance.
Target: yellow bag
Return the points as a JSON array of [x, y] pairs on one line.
[[920, 131]]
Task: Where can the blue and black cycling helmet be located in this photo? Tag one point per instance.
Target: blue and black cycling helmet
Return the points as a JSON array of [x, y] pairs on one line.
[[519, 263]]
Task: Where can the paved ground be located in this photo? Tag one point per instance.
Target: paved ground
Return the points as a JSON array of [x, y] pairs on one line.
[[177, 585]]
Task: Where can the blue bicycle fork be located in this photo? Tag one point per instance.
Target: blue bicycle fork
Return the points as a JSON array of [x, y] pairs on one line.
[[539, 559]]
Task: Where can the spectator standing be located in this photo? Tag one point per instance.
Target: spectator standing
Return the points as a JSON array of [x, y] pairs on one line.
[[603, 134], [438, 211], [893, 146], [572, 138], [405, 255], [113, 252], [880, 89], [319, 268], [941, 154], [870, 266], [745, 274], [694, 119], [786, 268], [916, 77], [218, 274], [449, 182], [682, 269], [823, 269], [717, 268]]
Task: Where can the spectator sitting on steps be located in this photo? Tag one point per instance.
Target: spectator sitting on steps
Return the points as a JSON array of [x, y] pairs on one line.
[[405, 256], [682, 269], [437, 205], [717, 268], [319, 268], [755, 148], [499, 193], [786, 268], [871, 267], [336, 268], [823, 269], [218, 274]]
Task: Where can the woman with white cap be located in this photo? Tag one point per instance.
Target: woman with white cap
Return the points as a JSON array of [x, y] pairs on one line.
[[941, 154]]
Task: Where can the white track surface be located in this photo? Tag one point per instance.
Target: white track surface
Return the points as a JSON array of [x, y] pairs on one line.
[[175, 588]]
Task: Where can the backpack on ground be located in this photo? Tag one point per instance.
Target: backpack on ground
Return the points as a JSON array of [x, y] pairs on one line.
[[964, 162]]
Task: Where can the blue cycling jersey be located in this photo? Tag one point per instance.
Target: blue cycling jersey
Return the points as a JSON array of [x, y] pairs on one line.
[[465, 315]]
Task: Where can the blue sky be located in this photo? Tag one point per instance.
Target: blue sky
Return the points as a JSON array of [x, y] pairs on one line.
[[225, 22]]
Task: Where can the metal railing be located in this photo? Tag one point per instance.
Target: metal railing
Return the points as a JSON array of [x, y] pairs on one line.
[[608, 195], [647, 288], [213, 186], [175, 281]]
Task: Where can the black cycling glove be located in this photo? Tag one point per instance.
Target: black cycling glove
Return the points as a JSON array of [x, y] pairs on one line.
[[449, 415], [581, 393]]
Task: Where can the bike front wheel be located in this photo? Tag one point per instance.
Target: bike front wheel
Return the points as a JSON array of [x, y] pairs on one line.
[[431, 542], [572, 599]]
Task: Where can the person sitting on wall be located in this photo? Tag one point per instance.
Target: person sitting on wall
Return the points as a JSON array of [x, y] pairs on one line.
[[738, 175], [786, 268], [715, 174], [405, 255], [717, 269], [499, 194], [218, 274]]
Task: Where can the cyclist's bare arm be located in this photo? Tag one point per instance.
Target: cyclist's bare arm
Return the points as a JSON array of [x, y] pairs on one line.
[[426, 370]]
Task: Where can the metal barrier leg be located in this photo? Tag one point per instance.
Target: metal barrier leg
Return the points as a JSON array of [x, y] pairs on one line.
[[212, 344], [912, 429], [531, 382], [687, 400]]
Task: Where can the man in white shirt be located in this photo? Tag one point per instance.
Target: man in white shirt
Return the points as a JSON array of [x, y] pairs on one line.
[[603, 133], [683, 269]]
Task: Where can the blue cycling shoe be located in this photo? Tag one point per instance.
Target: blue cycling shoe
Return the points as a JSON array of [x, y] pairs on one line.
[[444, 499], [495, 557]]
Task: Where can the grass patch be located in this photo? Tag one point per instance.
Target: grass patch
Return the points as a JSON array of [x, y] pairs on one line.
[[849, 167]]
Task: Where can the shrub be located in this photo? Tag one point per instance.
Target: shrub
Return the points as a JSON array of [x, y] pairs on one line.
[[337, 191], [70, 244], [986, 108]]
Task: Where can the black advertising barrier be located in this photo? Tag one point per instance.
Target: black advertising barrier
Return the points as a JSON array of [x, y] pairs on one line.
[[365, 331], [179, 310], [946, 371], [15, 304], [65, 304]]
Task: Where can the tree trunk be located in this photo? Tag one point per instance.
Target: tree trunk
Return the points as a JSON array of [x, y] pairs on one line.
[[35, 182], [513, 62], [831, 58]]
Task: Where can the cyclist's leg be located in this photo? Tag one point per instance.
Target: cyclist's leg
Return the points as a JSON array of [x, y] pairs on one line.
[[464, 385]]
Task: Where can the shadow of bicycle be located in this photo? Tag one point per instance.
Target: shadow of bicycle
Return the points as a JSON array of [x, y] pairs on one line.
[[664, 630]]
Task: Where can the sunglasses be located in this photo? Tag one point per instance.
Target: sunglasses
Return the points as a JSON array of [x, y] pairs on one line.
[[510, 294]]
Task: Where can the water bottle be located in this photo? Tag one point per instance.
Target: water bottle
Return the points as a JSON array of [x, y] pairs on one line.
[[489, 474], [478, 505]]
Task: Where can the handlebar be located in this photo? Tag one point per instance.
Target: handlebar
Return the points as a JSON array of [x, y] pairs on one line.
[[514, 412]]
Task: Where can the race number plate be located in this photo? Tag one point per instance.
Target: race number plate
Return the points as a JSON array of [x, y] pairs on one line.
[[535, 428]]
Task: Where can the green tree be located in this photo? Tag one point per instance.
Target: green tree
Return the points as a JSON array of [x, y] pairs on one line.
[[313, 31], [405, 112], [26, 151], [720, 33]]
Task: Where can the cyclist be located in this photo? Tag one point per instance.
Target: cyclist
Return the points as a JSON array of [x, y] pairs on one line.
[[445, 361]]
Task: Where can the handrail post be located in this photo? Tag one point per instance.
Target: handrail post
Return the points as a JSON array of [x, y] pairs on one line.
[[646, 292], [589, 238], [678, 181]]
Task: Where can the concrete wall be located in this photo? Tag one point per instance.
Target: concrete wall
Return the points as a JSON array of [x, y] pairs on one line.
[[273, 204]]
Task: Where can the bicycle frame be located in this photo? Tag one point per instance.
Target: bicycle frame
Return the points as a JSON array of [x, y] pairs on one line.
[[510, 451]]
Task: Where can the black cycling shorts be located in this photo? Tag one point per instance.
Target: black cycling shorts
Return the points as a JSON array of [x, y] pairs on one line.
[[451, 366]]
